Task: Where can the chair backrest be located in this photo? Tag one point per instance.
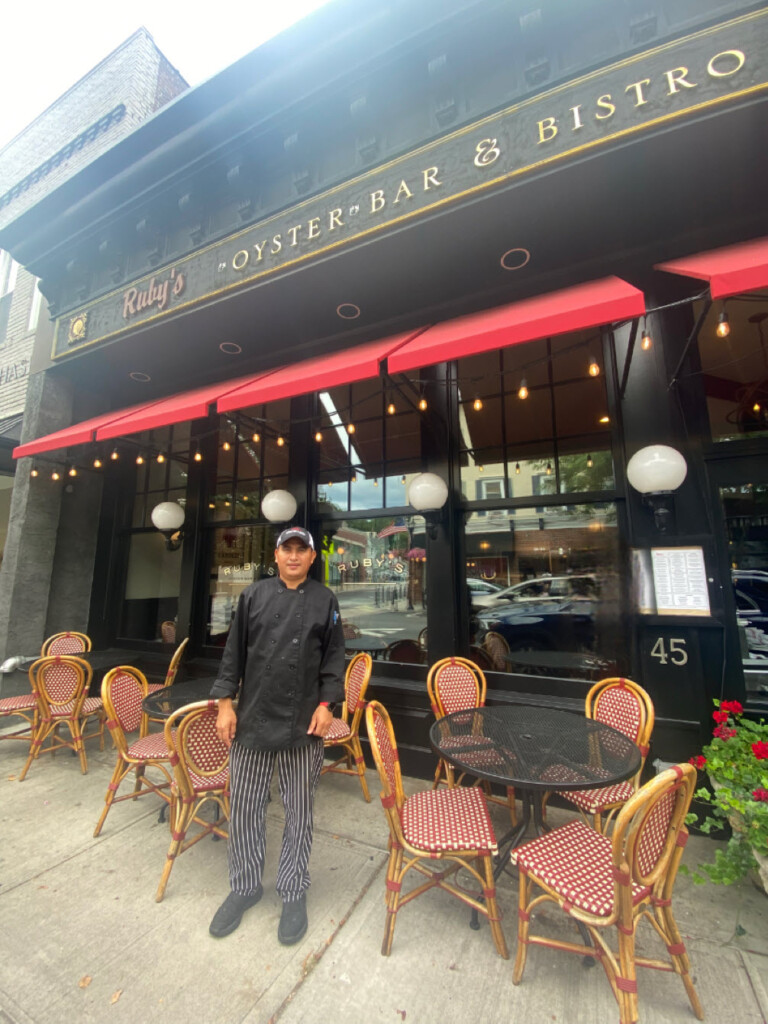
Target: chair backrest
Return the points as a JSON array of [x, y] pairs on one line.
[[168, 631], [355, 685], [624, 705], [381, 737], [480, 657], [173, 668], [423, 639], [65, 643], [59, 680], [650, 833], [455, 684], [406, 651], [122, 691], [496, 646], [201, 760], [350, 630]]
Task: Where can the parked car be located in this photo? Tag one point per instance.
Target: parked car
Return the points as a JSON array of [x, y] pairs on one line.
[[750, 588], [482, 588], [543, 588], [542, 624]]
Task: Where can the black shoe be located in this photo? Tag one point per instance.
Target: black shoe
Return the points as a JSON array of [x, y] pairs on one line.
[[293, 921], [231, 911]]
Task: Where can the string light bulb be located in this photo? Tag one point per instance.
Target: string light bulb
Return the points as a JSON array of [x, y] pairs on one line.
[[55, 475], [723, 328], [375, 481], [481, 469], [97, 463], [549, 469], [139, 460], [226, 446], [160, 457], [477, 405], [72, 471], [198, 456], [522, 391], [594, 369], [391, 410], [423, 404], [350, 428], [646, 342], [280, 441], [34, 472], [605, 419], [517, 469], [756, 407], [256, 438], [318, 436], [590, 463], [115, 455]]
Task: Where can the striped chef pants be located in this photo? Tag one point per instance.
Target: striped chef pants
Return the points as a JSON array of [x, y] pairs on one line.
[[250, 779]]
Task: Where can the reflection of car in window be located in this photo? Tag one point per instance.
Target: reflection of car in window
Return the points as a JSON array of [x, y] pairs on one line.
[[478, 587], [551, 588], [550, 624], [750, 589]]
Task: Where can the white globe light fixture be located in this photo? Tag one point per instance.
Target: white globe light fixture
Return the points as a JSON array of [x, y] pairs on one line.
[[278, 506], [427, 492], [168, 517], [656, 472]]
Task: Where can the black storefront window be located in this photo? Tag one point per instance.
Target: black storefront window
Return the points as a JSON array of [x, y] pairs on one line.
[[153, 573], [543, 563]]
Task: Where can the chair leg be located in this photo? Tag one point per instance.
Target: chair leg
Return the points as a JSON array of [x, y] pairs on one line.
[[679, 954], [360, 767], [494, 919], [523, 924], [77, 739], [117, 777], [393, 883], [180, 817], [512, 807], [626, 981]]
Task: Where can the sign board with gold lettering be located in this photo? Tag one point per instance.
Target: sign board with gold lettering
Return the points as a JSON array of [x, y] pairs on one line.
[[649, 91]]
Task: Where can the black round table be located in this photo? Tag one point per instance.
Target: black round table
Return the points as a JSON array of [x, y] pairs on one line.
[[368, 644], [162, 703], [535, 750]]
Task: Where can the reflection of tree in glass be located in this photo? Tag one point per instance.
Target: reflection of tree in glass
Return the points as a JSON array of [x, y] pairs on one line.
[[578, 476]]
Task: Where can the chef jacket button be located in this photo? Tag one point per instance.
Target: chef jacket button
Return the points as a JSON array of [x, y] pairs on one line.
[[294, 641], [301, 591], [277, 615], [291, 668], [272, 641], [269, 666]]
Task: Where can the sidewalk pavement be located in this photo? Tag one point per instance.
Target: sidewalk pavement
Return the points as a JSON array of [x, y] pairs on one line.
[[84, 940]]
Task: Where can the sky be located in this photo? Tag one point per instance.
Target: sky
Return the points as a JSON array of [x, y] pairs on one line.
[[48, 46]]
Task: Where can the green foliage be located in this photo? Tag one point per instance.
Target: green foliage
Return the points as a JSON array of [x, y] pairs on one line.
[[736, 761]]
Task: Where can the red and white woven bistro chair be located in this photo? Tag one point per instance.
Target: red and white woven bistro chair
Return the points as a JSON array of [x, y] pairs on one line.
[[61, 686], [458, 684], [628, 708], [436, 833], [65, 643], [201, 775], [25, 707], [345, 731], [614, 882], [170, 675], [122, 691]]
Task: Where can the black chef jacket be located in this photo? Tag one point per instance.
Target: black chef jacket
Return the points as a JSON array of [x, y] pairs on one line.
[[287, 648]]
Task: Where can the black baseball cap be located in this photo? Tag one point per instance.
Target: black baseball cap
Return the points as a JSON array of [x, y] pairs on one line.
[[297, 533]]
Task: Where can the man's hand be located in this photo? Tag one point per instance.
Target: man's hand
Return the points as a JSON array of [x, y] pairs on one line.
[[321, 721], [226, 722]]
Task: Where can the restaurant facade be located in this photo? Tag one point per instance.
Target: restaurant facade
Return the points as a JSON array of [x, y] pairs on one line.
[[505, 245]]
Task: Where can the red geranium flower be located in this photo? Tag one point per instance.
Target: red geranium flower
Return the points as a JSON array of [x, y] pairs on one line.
[[760, 794], [699, 761], [760, 750], [720, 716], [722, 732], [731, 706]]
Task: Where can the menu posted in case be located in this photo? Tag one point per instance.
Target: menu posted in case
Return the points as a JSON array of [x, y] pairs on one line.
[[680, 581]]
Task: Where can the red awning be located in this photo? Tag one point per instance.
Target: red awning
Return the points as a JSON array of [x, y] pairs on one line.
[[733, 269], [78, 433], [321, 373], [189, 405], [572, 309]]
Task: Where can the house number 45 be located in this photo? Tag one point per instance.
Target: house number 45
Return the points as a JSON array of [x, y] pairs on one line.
[[672, 650]]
